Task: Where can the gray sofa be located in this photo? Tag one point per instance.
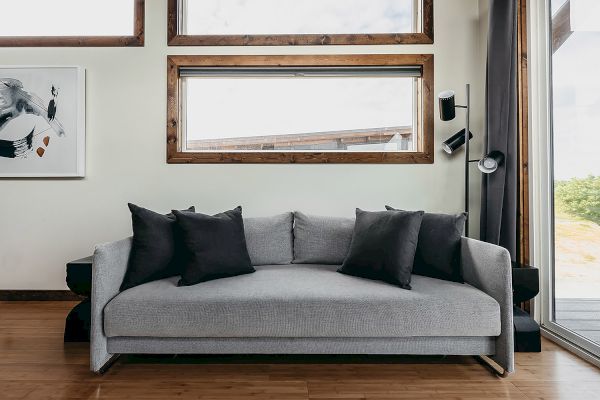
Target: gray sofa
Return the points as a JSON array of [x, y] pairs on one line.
[[296, 303]]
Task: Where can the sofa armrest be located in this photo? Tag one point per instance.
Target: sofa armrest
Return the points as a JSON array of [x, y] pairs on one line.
[[488, 268], [108, 270]]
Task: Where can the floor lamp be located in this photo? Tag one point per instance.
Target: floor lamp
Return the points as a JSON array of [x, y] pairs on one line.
[[488, 164]]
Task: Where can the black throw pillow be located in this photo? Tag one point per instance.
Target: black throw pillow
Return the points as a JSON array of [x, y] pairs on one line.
[[438, 251], [216, 244], [383, 246], [157, 251]]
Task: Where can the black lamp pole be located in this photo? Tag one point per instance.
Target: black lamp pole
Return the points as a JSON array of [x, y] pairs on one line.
[[467, 123], [488, 164], [447, 113]]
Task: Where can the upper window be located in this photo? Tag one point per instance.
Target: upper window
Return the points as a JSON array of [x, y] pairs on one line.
[[300, 109], [72, 23], [293, 22]]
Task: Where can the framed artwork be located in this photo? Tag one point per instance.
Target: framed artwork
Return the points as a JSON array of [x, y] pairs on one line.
[[42, 121]]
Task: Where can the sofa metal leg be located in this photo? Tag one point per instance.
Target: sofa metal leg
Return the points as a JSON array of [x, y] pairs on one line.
[[108, 364], [491, 365]]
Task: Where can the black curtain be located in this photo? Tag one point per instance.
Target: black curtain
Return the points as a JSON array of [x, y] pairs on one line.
[[500, 189]]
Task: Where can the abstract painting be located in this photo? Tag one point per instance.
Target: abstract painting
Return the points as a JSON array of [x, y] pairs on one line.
[[42, 122]]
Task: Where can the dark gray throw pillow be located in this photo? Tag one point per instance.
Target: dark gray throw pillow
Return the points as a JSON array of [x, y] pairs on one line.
[[383, 246], [216, 244], [438, 251], [157, 251]]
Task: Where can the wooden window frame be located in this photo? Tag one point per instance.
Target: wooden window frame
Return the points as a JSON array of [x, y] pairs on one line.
[[135, 40], [175, 39], [523, 135], [523, 210], [423, 155]]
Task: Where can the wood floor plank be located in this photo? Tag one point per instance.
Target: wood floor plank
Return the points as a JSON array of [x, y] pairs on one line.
[[35, 364]]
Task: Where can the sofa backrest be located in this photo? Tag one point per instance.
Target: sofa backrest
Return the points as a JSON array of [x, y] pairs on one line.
[[321, 240], [269, 239], [298, 238]]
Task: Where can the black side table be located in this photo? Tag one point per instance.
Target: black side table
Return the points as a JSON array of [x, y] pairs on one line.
[[526, 285], [79, 280]]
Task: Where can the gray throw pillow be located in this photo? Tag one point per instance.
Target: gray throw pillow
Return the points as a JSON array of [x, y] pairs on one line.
[[270, 239], [438, 251], [383, 246], [321, 240]]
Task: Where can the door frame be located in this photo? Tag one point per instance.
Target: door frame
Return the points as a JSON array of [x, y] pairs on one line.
[[541, 137]]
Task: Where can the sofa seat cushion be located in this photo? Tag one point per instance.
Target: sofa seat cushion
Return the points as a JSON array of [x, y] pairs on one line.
[[301, 301]]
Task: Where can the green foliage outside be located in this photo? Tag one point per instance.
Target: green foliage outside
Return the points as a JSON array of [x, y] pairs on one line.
[[579, 198]]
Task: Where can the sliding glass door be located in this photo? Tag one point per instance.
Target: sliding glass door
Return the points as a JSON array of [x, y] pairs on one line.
[[574, 312]]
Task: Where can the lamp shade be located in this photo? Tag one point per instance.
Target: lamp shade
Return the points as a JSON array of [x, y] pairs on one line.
[[455, 142], [491, 162], [447, 105]]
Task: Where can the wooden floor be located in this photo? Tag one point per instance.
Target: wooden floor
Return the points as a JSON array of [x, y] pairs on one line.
[[35, 364], [582, 316]]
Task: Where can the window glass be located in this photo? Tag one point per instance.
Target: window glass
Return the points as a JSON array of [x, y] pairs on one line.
[[67, 18], [575, 119], [278, 17], [300, 113]]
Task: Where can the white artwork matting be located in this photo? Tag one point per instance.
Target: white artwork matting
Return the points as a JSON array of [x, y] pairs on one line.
[[42, 121]]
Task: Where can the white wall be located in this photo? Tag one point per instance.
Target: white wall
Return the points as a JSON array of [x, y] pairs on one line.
[[45, 223]]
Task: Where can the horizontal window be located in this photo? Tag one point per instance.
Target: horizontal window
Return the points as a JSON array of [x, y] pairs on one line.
[[316, 110], [289, 22], [300, 113], [72, 23]]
